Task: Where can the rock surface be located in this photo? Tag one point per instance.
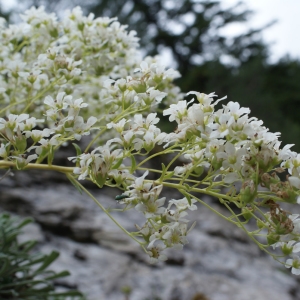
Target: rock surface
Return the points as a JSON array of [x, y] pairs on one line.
[[219, 263]]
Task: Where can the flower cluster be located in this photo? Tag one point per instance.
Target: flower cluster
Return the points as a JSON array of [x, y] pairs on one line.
[[81, 76], [165, 227]]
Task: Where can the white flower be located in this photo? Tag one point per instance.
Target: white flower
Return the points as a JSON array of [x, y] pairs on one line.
[[107, 154], [60, 102], [144, 68], [206, 100], [126, 140], [176, 111], [224, 121], [232, 156], [3, 151], [75, 106], [294, 181], [151, 207], [140, 122], [197, 118], [80, 128], [176, 236], [154, 250], [84, 161], [122, 176], [32, 76], [296, 222], [232, 177], [143, 191], [151, 137], [98, 162], [294, 264], [45, 144], [183, 170], [296, 248], [37, 135], [183, 204], [176, 216], [292, 164], [139, 184], [235, 110], [22, 161], [31, 123], [14, 67], [152, 94], [13, 124], [35, 16], [285, 153], [119, 127], [287, 247]]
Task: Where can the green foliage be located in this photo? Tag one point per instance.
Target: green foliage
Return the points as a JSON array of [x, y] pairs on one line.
[[24, 275]]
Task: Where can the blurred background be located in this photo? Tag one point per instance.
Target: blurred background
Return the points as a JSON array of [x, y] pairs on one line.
[[246, 50]]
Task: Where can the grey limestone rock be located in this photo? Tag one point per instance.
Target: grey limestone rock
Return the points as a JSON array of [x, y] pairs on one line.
[[220, 262]]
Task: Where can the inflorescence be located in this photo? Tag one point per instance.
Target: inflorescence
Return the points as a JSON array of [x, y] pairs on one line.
[[83, 76]]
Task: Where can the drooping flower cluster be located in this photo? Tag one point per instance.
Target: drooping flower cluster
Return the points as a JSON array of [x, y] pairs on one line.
[[165, 227], [81, 76]]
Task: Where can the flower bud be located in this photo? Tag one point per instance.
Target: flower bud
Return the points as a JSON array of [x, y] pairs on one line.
[[286, 249], [139, 86], [216, 163], [122, 85], [21, 143], [260, 224], [248, 192], [272, 238], [247, 213]]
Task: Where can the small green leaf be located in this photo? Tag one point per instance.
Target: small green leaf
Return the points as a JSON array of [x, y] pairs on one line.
[[47, 261], [50, 156], [69, 293], [187, 196], [133, 164], [25, 222], [4, 265], [28, 245], [163, 168], [169, 175], [78, 149], [21, 143], [118, 164], [75, 183], [58, 275], [99, 179], [188, 199]]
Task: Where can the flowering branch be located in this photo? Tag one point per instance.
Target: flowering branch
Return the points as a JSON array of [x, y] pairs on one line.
[[81, 76]]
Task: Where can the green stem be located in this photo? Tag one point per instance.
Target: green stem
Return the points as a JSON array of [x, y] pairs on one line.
[[261, 246], [154, 155], [94, 139], [41, 94], [150, 170], [32, 100], [197, 190], [108, 214], [214, 211], [9, 164]]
